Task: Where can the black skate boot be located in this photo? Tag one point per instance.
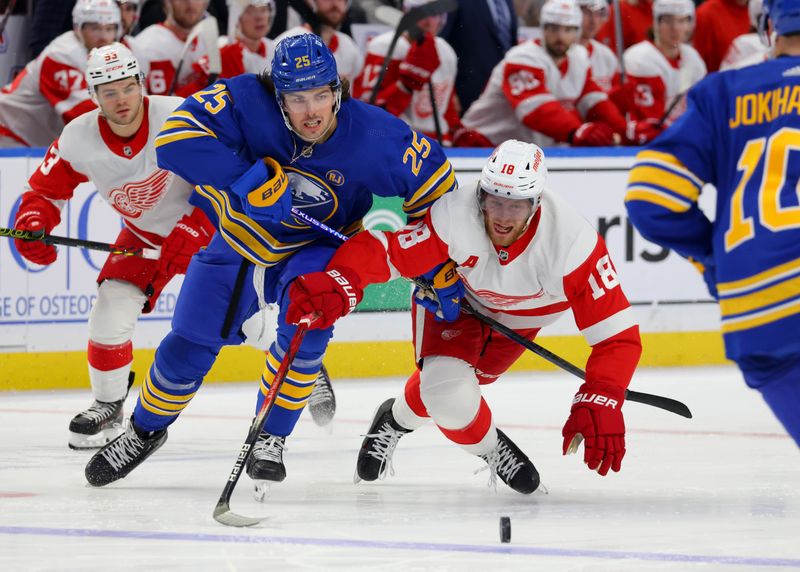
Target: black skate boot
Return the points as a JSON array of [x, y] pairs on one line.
[[122, 455], [96, 426], [265, 464], [375, 456], [322, 403], [508, 462]]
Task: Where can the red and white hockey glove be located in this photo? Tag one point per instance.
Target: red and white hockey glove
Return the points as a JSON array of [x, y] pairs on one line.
[[330, 294], [594, 134], [642, 131], [36, 214], [193, 232], [421, 61], [596, 419]]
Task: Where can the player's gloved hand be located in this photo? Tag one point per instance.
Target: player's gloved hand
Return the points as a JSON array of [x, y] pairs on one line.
[[443, 298], [330, 295], [596, 419], [265, 191], [420, 62], [642, 131], [191, 233], [36, 214], [708, 268], [594, 134]]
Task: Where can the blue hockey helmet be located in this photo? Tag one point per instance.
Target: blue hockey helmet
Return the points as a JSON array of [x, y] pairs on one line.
[[303, 62], [784, 15]]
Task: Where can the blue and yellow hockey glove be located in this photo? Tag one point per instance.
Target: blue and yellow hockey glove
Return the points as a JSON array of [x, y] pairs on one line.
[[443, 297], [265, 192]]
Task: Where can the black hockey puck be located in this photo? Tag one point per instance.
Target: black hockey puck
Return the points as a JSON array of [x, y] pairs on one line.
[[505, 529]]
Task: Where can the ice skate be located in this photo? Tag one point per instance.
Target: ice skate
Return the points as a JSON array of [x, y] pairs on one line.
[[375, 456], [123, 454], [265, 464], [508, 462], [98, 425], [322, 403]]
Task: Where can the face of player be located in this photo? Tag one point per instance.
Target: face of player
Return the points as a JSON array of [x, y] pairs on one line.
[[673, 30], [593, 20], [558, 39], [310, 112], [130, 14], [187, 13], [332, 12], [98, 35], [505, 219], [432, 24], [121, 100], [254, 22]]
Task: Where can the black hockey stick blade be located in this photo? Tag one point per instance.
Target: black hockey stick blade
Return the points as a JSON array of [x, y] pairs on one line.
[[222, 512]]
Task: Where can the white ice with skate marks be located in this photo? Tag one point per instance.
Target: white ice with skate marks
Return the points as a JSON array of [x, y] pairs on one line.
[[718, 492]]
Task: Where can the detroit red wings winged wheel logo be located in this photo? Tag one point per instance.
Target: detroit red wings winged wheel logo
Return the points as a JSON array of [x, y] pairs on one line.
[[132, 199]]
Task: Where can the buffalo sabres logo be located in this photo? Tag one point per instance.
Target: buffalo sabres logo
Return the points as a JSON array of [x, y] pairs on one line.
[[312, 195], [335, 177]]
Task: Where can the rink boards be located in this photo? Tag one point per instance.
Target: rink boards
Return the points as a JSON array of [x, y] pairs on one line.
[[43, 311]]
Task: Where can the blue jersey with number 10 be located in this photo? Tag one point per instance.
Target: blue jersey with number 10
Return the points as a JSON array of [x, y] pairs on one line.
[[740, 133]]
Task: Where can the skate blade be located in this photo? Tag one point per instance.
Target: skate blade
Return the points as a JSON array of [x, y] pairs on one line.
[[79, 441], [261, 490], [356, 478]]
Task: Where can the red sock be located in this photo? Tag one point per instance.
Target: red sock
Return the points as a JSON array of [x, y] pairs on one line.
[[413, 397], [475, 431]]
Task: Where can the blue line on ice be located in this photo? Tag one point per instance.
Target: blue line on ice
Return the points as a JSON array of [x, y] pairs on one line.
[[389, 545]]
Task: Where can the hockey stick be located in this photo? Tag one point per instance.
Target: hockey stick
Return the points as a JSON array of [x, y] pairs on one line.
[[19, 234], [407, 23], [619, 39], [222, 512], [665, 403], [11, 5], [198, 29], [210, 36]]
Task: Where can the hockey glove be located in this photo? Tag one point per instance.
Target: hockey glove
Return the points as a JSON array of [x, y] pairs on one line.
[[708, 268], [264, 191], [594, 134], [330, 295], [443, 298], [596, 419], [420, 63], [642, 131], [36, 214], [190, 234]]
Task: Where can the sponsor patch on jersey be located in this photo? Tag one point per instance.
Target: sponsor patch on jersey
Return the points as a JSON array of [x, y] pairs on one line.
[[335, 177]]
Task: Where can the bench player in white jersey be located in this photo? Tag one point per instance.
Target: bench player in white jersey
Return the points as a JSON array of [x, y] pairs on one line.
[[405, 90], [331, 14], [159, 48], [523, 256], [545, 93], [51, 90], [113, 148], [747, 49], [604, 62], [248, 49], [659, 73]]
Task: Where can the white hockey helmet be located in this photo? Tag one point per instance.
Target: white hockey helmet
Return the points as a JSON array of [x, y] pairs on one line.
[[594, 5], [561, 13], [673, 8], [111, 63], [96, 12], [237, 7], [515, 170]]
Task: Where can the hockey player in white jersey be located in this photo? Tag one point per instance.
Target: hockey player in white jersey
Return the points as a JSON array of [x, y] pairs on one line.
[[747, 49], [659, 73], [604, 62], [113, 148], [415, 66], [162, 47], [521, 254], [248, 49], [51, 90], [545, 93], [331, 14]]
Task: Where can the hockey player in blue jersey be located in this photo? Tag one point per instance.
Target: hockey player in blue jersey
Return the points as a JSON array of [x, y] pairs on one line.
[[741, 133], [256, 146]]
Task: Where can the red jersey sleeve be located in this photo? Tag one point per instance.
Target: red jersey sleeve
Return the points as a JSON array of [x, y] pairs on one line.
[[379, 256], [392, 96], [605, 318], [65, 88]]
